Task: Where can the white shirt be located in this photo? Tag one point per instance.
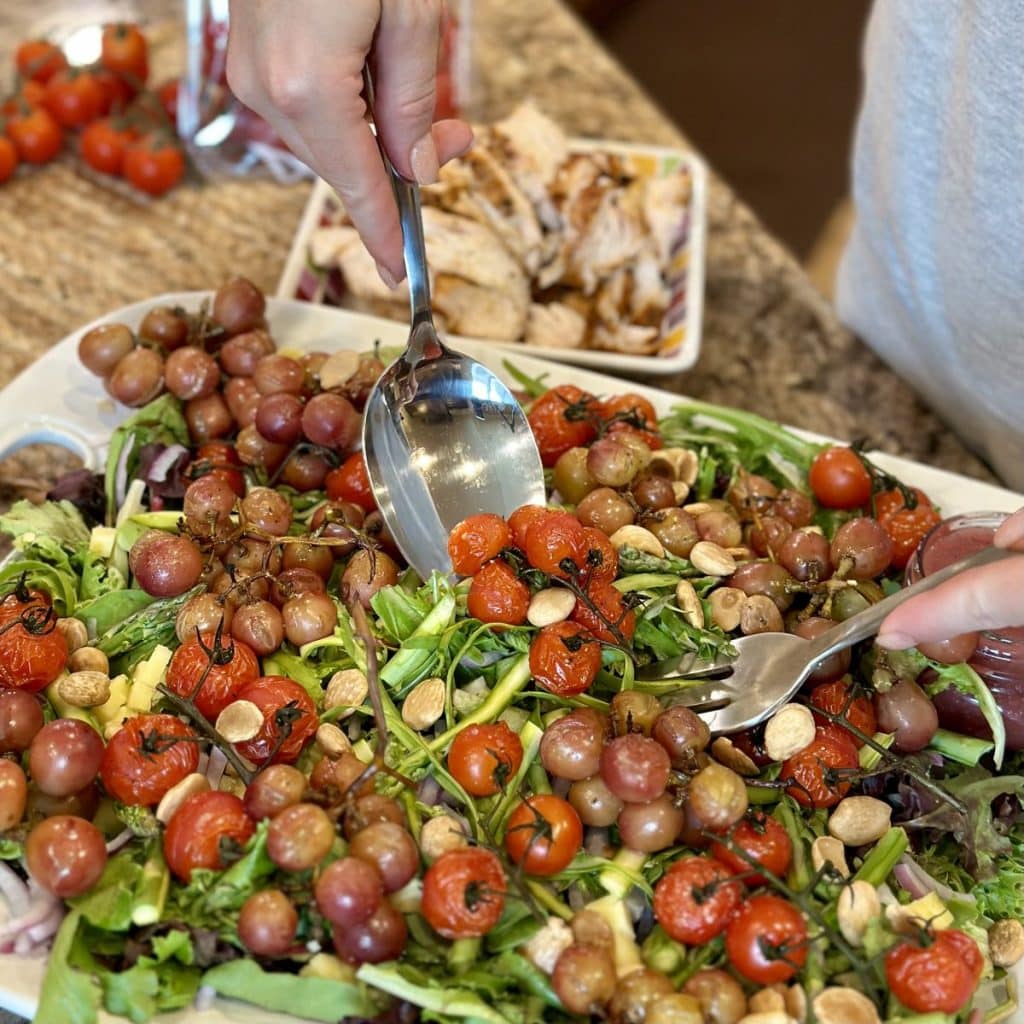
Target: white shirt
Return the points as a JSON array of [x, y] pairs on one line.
[[933, 276]]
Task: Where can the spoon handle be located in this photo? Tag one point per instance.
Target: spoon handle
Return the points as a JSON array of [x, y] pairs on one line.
[[866, 623], [407, 195]]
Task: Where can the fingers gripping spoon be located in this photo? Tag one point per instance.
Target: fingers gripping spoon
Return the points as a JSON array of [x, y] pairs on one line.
[[443, 437]]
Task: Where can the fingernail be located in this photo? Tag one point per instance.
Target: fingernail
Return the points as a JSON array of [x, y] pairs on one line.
[[423, 158], [895, 641], [1011, 532], [387, 277]]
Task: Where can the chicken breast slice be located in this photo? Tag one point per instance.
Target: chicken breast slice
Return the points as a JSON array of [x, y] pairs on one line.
[[479, 311], [554, 325]]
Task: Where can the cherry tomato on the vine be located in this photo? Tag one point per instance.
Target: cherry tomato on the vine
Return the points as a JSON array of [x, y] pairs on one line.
[[116, 91], [167, 93], [75, 97], [498, 595], [146, 757], [565, 658], [476, 540], [483, 758], [103, 145], [351, 482], [288, 712], [610, 619], [36, 135], [906, 527], [767, 940], [839, 479], [154, 164], [695, 899], [124, 51], [31, 94], [622, 430], [522, 519], [219, 672], [33, 652], [859, 711], [555, 544], [464, 893], [39, 60], [819, 773], [194, 835], [562, 418], [8, 158], [544, 833], [601, 560], [630, 408], [937, 975], [764, 840]]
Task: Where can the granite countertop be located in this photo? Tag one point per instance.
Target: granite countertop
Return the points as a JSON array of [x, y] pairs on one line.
[[74, 247]]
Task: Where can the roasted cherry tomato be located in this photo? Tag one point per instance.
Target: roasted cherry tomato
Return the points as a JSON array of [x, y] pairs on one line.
[[124, 51], [8, 158], [543, 834], [906, 527], [31, 94], [477, 540], [195, 833], [565, 658], [146, 757], [289, 720], [464, 893], [39, 60], [167, 93], [764, 841], [154, 165], [938, 975], [483, 758], [695, 899], [820, 772], [555, 544], [21, 599], [629, 408], [218, 669], [36, 135], [102, 145], [621, 430], [351, 482], [606, 614], [600, 559], [221, 460], [562, 418], [767, 940], [859, 711], [521, 520], [75, 97], [498, 595], [839, 479], [33, 652], [116, 91]]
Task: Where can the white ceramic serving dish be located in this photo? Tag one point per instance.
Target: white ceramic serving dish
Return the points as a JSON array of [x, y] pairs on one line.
[[56, 400], [681, 327]]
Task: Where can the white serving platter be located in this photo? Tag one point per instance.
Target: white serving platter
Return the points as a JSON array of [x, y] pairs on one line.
[[680, 340], [56, 400]]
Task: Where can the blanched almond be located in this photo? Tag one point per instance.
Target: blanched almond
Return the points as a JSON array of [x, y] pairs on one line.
[[828, 850], [84, 689], [726, 607], [338, 368], [767, 1000], [725, 751], [241, 720], [690, 604], [333, 742], [424, 704], [639, 538], [441, 834], [1006, 942], [771, 1017], [857, 907], [790, 730], [857, 820], [840, 1005], [712, 559], [551, 605], [796, 1003], [346, 689], [179, 793]]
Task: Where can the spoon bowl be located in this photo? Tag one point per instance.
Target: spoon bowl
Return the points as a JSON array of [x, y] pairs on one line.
[[443, 437]]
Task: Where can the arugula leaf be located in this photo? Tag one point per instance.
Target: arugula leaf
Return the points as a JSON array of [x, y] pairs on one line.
[[159, 422], [316, 998], [69, 995]]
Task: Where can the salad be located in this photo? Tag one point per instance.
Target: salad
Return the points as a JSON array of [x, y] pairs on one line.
[[245, 752]]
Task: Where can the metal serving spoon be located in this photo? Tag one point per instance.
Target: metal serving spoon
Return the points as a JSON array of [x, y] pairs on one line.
[[771, 667], [443, 437]]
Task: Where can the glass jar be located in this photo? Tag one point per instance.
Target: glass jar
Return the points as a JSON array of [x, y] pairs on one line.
[[999, 658]]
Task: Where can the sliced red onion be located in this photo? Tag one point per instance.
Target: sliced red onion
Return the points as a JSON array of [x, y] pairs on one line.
[[14, 890], [164, 461], [919, 883], [909, 881], [215, 768], [122, 837], [429, 791], [46, 928], [39, 908]]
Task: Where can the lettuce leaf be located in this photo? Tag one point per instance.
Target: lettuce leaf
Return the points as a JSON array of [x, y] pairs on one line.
[[58, 521], [69, 995]]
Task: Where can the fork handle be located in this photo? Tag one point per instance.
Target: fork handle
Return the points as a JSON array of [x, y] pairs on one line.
[[866, 623]]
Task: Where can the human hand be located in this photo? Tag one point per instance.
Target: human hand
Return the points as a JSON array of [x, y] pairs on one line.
[[300, 67], [991, 597]]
